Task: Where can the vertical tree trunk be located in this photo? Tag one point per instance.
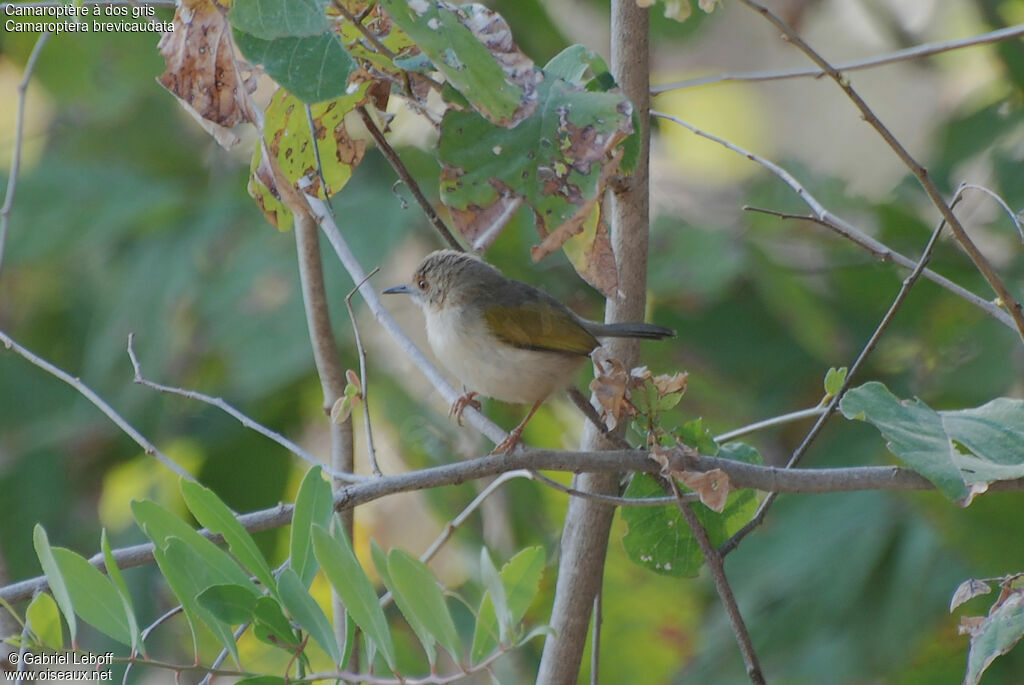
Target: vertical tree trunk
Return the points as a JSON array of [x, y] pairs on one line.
[[585, 535]]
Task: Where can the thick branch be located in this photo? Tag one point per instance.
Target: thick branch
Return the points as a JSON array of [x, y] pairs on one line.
[[588, 521], [741, 475]]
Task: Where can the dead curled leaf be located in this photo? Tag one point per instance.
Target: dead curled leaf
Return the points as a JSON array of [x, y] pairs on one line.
[[712, 487], [967, 590], [667, 385], [610, 387], [203, 71]]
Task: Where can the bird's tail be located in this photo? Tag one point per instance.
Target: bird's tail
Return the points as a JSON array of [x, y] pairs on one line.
[[646, 331]]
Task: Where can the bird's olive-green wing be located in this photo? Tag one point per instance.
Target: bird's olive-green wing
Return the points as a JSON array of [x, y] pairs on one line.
[[539, 325]]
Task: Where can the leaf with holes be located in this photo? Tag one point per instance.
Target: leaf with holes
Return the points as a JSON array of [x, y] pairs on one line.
[[287, 131], [558, 161], [473, 47]]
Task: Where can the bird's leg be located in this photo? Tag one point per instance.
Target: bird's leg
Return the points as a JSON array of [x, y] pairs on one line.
[[516, 433], [459, 405]]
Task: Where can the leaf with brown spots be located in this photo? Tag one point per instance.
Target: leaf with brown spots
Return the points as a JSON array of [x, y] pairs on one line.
[[287, 135], [202, 70], [473, 47], [558, 161]]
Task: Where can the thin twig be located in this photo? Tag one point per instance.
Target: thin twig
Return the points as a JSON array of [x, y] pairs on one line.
[[228, 409], [833, 404], [403, 173], [87, 392], [741, 475], [370, 36], [924, 50], [19, 135], [163, 618], [1001, 202], [461, 518], [825, 218], [919, 172], [587, 409], [363, 381], [717, 568], [316, 155], [768, 423]]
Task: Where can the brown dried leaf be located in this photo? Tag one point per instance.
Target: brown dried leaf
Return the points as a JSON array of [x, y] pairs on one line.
[[582, 157], [666, 384], [661, 456], [969, 589], [202, 70], [599, 268], [491, 29], [610, 388], [969, 625], [713, 487]]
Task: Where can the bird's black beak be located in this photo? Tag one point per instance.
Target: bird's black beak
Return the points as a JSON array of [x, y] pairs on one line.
[[403, 289]]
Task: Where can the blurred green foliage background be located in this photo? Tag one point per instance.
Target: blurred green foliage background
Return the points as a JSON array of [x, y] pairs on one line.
[[129, 218]]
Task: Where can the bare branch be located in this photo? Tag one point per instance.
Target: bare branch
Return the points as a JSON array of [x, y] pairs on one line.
[[979, 259], [825, 218], [410, 183], [741, 475], [918, 51], [19, 138], [231, 411], [769, 423], [363, 380], [716, 567], [101, 404], [833, 404]]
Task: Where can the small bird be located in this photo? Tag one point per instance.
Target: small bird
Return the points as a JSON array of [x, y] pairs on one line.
[[502, 338]]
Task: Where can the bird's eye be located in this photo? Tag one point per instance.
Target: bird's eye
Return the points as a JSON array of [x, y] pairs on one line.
[[421, 284]]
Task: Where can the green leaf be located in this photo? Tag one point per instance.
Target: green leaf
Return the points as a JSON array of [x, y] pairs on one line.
[[834, 380], [262, 680], [160, 525], [445, 34], [94, 596], [658, 537], [44, 621], [188, 574], [313, 505], [557, 161], [212, 513], [422, 603], [997, 634], [55, 579], [520, 577], [269, 19], [960, 451], [313, 68], [308, 614], [114, 573], [496, 593], [272, 627], [694, 434], [339, 562], [232, 604]]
